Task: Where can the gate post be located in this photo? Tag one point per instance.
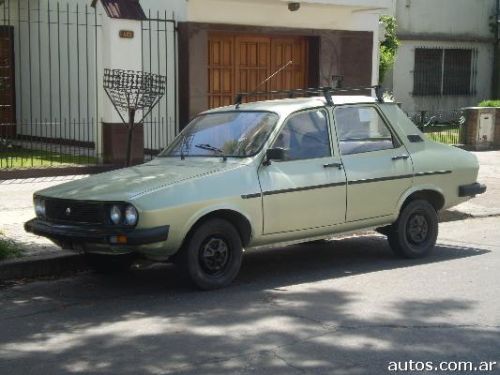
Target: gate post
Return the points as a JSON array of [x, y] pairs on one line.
[[121, 46]]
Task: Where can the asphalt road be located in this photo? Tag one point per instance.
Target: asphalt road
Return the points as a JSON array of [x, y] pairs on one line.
[[343, 307]]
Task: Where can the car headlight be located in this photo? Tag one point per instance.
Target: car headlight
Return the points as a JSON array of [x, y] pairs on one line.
[[115, 214], [130, 215], [39, 207]]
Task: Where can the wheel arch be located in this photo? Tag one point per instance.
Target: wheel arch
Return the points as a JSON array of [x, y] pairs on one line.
[[432, 194], [241, 222]]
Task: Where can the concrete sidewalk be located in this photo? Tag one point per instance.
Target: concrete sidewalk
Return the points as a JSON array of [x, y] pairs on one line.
[[16, 206]]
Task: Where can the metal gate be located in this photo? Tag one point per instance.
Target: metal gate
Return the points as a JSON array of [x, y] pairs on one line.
[[159, 56], [50, 105], [56, 65]]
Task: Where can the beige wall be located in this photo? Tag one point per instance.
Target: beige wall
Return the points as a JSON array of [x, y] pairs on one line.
[[465, 18]]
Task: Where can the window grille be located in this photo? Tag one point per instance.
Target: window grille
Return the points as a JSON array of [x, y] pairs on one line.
[[444, 72]]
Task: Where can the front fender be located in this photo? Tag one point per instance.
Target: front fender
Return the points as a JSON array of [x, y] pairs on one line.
[[205, 211]]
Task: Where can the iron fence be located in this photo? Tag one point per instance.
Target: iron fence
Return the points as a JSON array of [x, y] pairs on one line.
[[50, 109], [441, 126], [51, 83], [159, 56]]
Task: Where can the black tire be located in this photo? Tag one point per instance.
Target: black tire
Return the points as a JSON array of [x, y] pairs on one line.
[[212, 254], [415, 232], [102, 263]]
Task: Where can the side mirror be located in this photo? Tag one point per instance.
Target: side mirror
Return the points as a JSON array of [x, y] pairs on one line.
[[277, 153]]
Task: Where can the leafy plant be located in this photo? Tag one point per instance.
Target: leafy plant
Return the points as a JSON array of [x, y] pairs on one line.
[[389, 47], [490, 103], [8, 248]]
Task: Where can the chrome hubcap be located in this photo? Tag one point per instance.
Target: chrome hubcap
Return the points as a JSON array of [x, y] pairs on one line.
[[214, 255]]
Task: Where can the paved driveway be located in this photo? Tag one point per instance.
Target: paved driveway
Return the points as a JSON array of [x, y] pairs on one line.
[[343, 307]]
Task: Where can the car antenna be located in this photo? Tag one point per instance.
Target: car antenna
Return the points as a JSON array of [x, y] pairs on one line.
[[239, 97]]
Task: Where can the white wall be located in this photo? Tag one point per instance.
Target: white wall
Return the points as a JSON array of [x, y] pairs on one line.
[[276, 14]]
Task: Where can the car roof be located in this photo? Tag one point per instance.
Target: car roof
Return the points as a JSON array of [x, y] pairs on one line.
[[286, 106]]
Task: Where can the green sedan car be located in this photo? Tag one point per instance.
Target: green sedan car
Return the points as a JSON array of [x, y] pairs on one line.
[[264, 173]]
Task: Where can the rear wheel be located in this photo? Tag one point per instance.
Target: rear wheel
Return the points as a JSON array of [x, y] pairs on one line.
[[212, 254], [415, 232]]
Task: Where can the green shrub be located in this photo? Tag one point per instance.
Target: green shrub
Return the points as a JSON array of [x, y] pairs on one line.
[[490, 103], [8, 248]]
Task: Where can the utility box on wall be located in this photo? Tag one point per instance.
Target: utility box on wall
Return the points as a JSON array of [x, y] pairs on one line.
[[482, 128]]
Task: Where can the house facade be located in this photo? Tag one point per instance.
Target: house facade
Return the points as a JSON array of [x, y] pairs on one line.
[[54, 55], [445, 60]]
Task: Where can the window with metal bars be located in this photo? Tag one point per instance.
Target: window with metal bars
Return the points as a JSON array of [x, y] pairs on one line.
[[444, 72]]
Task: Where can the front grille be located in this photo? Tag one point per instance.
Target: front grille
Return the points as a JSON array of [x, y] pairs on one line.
[[75, 211]]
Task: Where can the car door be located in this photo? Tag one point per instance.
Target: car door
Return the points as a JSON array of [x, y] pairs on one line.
[[307, 190], [379, 169]]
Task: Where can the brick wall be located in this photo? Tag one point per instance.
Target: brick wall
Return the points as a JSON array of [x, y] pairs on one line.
[[471, 121], [472, 124]]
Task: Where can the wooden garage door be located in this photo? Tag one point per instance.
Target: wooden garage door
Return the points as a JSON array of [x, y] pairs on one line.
[[7, 97], [240, 63]]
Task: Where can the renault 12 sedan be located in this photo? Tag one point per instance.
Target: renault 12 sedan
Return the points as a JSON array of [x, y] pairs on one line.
[[272, 172]]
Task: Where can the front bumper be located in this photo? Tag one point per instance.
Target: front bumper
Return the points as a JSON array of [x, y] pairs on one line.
[[77, 234], [471, 190]]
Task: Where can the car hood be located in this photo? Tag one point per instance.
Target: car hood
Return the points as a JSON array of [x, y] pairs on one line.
[[128, 183]]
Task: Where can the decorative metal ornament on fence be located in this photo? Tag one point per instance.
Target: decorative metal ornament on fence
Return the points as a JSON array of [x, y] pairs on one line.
[[132, 91]]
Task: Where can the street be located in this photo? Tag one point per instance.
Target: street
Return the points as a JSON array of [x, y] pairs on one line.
[[340, 307]]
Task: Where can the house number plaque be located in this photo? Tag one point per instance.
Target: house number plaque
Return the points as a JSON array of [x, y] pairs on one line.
[[127, 34]]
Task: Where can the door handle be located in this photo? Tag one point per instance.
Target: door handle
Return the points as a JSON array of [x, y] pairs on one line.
[[400, 157], [333, 165]]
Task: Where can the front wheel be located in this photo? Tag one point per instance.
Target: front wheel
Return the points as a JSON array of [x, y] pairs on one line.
[[415, 232], [212, 254]]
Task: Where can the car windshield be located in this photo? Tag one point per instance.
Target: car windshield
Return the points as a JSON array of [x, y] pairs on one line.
[[231, 134]]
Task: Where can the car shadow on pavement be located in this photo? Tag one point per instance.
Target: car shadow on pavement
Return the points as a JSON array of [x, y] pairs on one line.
[[281, 316], [336, 258]]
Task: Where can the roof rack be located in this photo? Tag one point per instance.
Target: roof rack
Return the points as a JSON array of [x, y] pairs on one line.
[[325, 91]]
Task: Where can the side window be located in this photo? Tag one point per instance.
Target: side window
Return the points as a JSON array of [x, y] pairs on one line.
[[305, 136], [361, 129]]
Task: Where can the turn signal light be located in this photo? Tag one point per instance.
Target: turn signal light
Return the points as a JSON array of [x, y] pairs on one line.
[[120, 239]]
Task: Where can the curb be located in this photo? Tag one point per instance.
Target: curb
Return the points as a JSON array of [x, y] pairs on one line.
[[65, 262]]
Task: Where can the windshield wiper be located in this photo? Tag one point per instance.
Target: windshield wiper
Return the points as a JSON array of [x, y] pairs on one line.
[[206, 146]]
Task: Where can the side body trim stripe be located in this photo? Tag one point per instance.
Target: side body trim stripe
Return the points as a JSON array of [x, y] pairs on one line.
[[378, 179], [355, 182], [273, 192]]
